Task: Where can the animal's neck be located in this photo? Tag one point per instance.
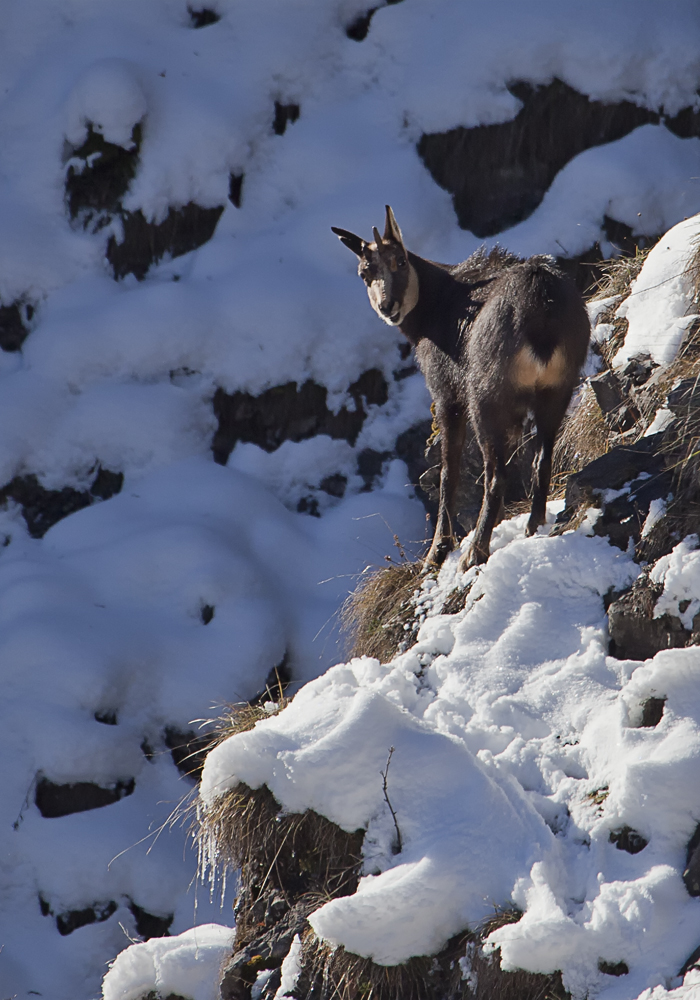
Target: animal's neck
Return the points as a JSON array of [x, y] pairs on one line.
[[432, 316]]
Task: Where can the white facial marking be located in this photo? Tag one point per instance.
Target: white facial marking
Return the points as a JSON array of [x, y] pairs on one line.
[[377, 294]]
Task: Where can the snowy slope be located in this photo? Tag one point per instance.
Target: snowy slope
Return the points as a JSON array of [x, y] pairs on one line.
[[101, 619], [522, 770]]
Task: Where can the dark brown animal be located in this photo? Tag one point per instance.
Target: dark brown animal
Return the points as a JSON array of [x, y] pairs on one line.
[[496, 338]]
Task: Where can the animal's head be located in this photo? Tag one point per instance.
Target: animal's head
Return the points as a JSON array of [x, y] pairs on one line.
[[391, 280]]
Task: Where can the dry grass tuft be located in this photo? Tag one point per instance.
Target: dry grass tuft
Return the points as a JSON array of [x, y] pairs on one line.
[[246, 828], [375, 614], [618, 273], [693, 272], [245, 715], [460, 972], [584, 437]]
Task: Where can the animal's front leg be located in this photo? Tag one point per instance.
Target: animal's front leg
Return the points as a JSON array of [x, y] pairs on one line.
[[452, 421]]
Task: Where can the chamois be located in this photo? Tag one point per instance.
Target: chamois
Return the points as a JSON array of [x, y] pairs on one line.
[[496, 338]]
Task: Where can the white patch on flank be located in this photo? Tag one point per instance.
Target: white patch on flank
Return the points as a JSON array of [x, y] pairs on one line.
[[531, 373]]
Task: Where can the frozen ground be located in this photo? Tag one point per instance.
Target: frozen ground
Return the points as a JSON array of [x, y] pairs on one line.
[[102, 619]]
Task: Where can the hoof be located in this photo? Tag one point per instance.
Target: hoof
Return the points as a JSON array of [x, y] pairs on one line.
[[437, 554], [532, 525], [472, 558]]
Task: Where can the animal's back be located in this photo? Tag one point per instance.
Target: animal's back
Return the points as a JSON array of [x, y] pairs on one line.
[[532, 331]]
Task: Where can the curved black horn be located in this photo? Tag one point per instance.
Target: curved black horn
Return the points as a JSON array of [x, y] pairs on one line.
[[352, 242], [391, 227]]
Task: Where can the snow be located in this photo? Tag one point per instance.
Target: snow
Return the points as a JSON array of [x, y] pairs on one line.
[[109, 95], [679, 572], [103, 616], [184, 965], [658, 321], [649, 167], [291, 967], [507, 744]]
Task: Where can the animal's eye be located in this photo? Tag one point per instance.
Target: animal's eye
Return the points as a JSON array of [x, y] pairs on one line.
[[401, 261]]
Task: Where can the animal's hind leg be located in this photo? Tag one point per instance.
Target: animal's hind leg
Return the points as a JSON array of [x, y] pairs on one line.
[[549, 413], [452, 421], [494, 452]]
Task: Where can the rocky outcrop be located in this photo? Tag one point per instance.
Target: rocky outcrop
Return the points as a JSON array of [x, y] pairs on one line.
[[54, 800], [498, 174], [43, 508], [14, 325], [635, 634], [691, 875], [292, 413], [98, 176]]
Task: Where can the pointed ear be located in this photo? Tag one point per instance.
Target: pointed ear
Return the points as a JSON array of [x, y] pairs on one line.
[[391, 227], [352, 242]]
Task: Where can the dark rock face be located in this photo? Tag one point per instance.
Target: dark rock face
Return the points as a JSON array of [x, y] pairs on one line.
[[613, 968], [691, 875], [652, 713], [148, 925], [292, 413], [235, 189], [43, 508], [203, 16], [619, 413], [614, 470], [358, 29], [284, 114], [268, 950], [636, 635], [498, 174], [98, 176], [71, 920], [13, 325], [145, 243], [584, 268], [188, 750], [640, 469], [628, 840], [54, 800]]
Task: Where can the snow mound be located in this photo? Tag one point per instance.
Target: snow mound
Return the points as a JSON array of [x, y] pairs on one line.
[[185, 965], [659, 308], [109, 97]]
